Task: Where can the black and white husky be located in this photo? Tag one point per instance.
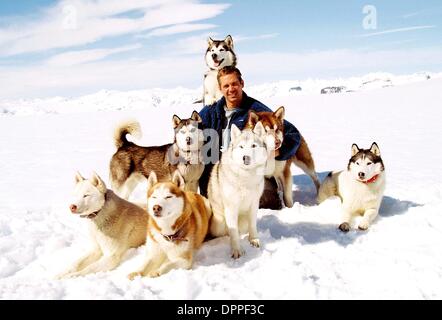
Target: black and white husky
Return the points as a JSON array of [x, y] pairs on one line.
[[218, 55], [360, 187]]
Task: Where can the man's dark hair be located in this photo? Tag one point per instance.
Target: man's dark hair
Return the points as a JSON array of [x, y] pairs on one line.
[[229, 70]]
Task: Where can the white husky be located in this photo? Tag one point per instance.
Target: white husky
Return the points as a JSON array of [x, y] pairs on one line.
[[360, 187], [219, 54], [236, 184], [115, 226]]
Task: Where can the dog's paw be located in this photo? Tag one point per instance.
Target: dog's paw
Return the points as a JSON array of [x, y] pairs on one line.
[[236, 253], [133, 275], [344, 227], [288, 203], [254, 242], [363, 225], [154, 274]]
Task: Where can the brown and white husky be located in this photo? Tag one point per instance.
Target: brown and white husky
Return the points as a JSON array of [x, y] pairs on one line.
[[273, 122], [178, 224]]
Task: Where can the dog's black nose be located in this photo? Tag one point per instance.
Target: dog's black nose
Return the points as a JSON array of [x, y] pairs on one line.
[[189, 140], [157, 210], [246, 160], [361, 175], [214, 55]]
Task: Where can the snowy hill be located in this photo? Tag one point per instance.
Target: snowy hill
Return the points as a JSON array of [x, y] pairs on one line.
[[165, 98], [303, 254]]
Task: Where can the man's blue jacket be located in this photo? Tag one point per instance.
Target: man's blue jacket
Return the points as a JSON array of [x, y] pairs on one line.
[[213, 117]]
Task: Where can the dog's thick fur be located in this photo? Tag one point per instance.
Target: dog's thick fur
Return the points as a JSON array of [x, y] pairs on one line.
[[178, 224], [219, 54], [115, 226], [273, 123], [236, 184], [360, 187], [132, 163]]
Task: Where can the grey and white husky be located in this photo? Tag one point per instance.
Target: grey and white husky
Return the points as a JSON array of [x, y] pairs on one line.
[[219, 54], [360, 187], [236, 184]]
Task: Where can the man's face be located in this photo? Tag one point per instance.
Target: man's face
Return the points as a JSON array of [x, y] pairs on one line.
[[231, 88]]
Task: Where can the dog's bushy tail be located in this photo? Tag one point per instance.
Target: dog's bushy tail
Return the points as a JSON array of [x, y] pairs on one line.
[[131, 127]]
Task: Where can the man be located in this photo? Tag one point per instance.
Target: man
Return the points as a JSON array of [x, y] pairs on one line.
[[233, 108]]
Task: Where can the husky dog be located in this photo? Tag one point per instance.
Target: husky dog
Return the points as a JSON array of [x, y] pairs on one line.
[[236, 184], [178, 224], [360, 187], [132, 163], [115, 225], [218, 55], [273, 123]]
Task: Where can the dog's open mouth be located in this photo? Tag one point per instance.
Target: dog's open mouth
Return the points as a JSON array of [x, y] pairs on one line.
[[217, 63]]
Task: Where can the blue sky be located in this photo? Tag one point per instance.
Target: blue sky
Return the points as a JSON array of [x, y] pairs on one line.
[[73, 47]]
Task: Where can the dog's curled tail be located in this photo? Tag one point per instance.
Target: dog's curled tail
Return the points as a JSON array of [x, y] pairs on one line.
[[131, 127]]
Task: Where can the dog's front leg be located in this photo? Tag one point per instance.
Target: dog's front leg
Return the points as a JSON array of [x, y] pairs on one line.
[[253, 232], [287, 185], [82, 263], [346, 218], [183, 262], [105, 263], [367, 219], [231, 216], [153, 260]]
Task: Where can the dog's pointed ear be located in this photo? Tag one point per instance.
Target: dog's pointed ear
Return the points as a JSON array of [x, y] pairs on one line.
[[98, 182], [78, 177], [253, 119], [229, 41], [259, 129], [279, 113], [178, 180], [176, 121], [375, 149], [354, 149], [196, 117], [209, 41], [152, 180], [235, 132]]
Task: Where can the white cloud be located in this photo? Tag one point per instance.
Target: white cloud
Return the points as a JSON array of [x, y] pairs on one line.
[[409, 15], [396, 30], [84, 56], [190, 45], [239, 38], [175, 29], [73, 23]]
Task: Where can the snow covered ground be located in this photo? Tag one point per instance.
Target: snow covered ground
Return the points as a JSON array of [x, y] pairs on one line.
[[303, 255]]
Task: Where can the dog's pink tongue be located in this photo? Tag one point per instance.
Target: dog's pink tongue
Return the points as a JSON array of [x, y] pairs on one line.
[[216, 63]]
